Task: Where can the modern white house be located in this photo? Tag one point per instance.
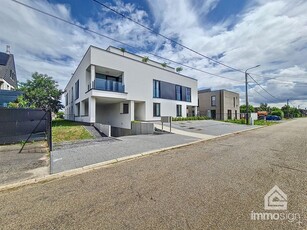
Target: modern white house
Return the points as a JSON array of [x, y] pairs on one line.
[[114, 87]]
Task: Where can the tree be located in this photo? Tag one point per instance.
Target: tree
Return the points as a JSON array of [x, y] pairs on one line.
[[164, 65], [251, 109], [20, 103], [145, 59], [264, 107], [278, 112], [179, 69], [41, 92], [123, 50]]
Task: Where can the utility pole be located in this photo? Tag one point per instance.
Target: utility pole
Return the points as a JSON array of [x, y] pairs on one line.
[[246, 94]]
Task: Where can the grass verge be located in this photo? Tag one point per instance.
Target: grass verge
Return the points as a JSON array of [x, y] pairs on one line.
[[256, 122], [63, 130]]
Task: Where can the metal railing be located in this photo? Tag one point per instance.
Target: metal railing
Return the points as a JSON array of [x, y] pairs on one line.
[[108, 85]]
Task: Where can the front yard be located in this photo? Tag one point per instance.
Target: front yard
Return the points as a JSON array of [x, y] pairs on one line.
[[256, 122], [63, 130]]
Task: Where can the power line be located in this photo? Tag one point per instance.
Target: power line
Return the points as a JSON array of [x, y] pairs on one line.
[[258, 92], [262, 87], [281, 82], [115, 40], [165, 37]]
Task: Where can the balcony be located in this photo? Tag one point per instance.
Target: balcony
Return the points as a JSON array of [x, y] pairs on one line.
[[108, 85]]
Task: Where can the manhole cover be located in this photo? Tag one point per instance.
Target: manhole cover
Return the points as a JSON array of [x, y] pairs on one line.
[[191, 128]]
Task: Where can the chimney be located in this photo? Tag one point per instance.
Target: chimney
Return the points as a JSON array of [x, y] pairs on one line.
[[8, 49]]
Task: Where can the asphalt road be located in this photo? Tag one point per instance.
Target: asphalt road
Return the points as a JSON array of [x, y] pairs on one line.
[[216, 184]]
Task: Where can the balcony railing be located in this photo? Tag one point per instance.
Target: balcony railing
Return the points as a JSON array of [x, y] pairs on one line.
[[107, 85]]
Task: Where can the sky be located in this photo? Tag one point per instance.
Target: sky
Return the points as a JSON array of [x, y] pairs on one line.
[[238, 33]]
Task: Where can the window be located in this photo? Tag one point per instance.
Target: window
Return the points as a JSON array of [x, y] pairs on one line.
[[156, 109], [213, 100], [234, 102], [156, 89], [188, 94], [77, 90], [229, 115], [72, 94], [66, 99], [236, 114], [178, 93], [179, 110], [125, 108]]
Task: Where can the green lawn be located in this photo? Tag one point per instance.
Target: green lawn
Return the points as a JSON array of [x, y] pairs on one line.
[[256, 122], [63, 130]]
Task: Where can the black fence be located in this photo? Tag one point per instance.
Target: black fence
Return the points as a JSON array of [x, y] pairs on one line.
[[23, 125]]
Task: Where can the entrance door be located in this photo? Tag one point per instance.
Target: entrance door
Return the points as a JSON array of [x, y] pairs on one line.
[[213, 114]]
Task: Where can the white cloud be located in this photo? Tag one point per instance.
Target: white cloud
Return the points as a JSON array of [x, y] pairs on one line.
[[270, 33]]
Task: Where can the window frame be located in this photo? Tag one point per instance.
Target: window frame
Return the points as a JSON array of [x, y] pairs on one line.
[[180, 91], [156, 89], [213, 104], [179, 110], [125, 108], [155, 105]]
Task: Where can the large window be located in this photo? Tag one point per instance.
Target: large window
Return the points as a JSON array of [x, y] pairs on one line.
[[77, 90], [179, 110], [188, 94], [156, 89], [156, 110], [213, 100], [178, 93]]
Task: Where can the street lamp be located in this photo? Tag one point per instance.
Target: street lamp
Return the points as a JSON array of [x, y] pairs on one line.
[[246, 93]]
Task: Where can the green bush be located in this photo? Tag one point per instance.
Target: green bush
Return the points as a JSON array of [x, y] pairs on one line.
[[60, 115], [279, 113]]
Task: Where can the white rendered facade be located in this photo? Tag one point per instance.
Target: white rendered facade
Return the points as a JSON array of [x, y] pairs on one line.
[[116, 88]]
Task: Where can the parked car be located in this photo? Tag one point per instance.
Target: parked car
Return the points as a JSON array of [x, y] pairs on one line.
[[273, 118]]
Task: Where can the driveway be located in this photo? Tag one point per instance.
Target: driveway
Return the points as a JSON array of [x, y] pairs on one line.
[[208, 127], [217, 184], [95, 152]]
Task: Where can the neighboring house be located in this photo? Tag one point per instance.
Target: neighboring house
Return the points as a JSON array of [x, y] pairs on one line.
[[8, 79], [114, 87], [219, 104]]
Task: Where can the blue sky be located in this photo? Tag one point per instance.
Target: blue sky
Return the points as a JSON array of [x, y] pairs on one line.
[[239, 33]]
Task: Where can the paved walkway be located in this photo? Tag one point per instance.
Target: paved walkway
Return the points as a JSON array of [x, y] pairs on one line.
[[91, 153]]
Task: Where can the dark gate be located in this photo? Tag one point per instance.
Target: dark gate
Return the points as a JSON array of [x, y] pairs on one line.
[[22, 125]]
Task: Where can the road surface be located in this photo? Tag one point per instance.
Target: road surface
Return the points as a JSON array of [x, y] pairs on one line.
[[217, 184]]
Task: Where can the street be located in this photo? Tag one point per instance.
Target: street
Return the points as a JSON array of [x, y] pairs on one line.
[[214, 184]]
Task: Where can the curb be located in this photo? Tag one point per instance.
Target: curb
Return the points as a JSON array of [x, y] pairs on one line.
[[89, 168]]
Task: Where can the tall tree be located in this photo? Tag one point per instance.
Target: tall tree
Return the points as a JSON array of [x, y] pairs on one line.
[[251, 109], [42, 92]]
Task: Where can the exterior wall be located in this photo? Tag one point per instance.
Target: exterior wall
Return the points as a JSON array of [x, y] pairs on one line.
[[8, 76], [5, 86], [205, 104], [224, 102], [138, 79], [229, 104]]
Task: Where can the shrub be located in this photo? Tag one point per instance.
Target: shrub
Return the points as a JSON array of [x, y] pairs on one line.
[[278, 113]]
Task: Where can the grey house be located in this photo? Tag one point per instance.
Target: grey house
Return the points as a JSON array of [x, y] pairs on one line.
[[219, 104], [8, 78]]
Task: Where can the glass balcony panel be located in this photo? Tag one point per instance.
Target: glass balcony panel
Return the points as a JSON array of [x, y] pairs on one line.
[[108, 85]]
